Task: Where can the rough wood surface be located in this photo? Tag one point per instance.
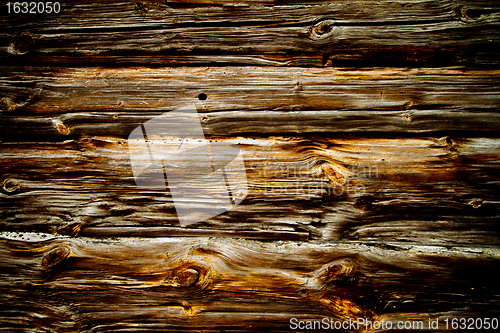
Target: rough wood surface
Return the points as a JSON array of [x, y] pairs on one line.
[[73, 285], [433, 190], [94, 101], [371, 162], [262, 32]]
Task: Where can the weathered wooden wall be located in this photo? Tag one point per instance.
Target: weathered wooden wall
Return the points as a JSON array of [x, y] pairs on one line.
[[369, 131]]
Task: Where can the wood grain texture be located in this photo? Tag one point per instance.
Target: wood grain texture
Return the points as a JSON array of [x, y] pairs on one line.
[[173, 284], [369, 134], [433, 190], [94, 101], [265, 33]]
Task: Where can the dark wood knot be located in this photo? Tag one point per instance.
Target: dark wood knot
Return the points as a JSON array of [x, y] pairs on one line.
[[10, 186], [61, 128], [332, 275], [339, 271], [22, 43], [334, 175], [476, 203], [56, 257], [323, 30], [71, 230], [7, 105], [450, 144], [407, 106], [141, 7], [364, 203], [336, 273], [466, 14], [186, 278]]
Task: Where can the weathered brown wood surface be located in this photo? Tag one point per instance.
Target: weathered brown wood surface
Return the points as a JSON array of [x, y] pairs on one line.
[[250, 100], [369, 132], [431, 190], [313, 33], [68, 284]]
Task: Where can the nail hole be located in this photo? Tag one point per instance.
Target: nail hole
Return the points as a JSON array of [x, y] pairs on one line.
[[202, 96]]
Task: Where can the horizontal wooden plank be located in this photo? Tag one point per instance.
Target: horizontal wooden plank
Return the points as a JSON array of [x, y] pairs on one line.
[[318, 33], [88, 101], [122, 14], [258, 123], [212, 284], [426, 190], [373, 193]]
